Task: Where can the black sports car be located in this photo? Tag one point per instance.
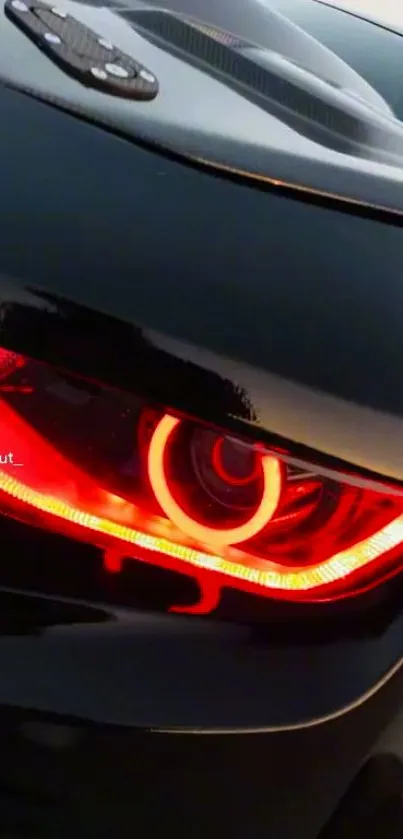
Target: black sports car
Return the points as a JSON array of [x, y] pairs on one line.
[[201, 421]]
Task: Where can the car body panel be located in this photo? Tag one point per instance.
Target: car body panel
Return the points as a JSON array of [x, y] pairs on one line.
[[108, 780], [228, 134], [243, 659], [164, 673], [387, 19], [289, 329], [109, 287]]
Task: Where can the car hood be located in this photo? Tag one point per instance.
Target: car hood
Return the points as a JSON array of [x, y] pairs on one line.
[[314, 123]]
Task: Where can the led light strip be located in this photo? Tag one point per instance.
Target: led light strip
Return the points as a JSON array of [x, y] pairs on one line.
[[337, 567]]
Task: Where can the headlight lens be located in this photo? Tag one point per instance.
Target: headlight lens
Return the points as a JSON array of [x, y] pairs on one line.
[[143, 483]]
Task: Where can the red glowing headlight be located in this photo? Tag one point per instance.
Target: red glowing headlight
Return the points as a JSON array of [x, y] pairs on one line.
[[144, 484]]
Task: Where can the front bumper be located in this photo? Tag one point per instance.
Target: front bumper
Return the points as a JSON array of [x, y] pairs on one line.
[[62, 777], [80, 758]]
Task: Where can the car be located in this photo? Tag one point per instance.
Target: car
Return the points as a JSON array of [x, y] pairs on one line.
[[201, 468]]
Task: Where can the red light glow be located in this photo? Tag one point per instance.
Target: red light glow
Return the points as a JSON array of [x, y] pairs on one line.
[[223, 473], [9, 361], [66, 498], [216, 537]]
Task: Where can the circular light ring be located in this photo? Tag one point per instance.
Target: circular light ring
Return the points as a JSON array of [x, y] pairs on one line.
[[224, 475], [197, 531]]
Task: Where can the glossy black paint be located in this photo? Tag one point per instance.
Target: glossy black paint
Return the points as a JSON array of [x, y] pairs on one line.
[[44, 316], [245, 303], [98, 274], [300, 322], [352, 34], [293, 131], [167, 673], [104, 781], [99, 646]]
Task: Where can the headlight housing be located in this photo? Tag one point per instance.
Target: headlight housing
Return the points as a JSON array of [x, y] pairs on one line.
[[144, 483]]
